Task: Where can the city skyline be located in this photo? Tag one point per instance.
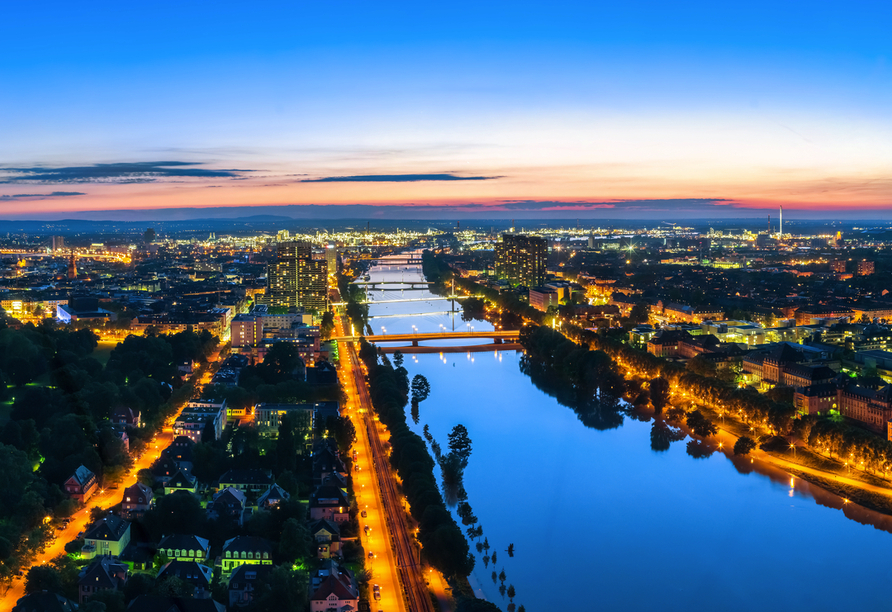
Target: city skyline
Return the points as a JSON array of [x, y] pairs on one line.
[[480, 112]]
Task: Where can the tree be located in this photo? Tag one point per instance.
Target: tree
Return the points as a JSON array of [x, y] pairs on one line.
[[470, 604], [148, 236], [343, 430], [294, 543], [43, 578], [179, 512], [174, 586], [398, 359], [639, 313], [421, 388], [460, 444], [138, 584], [659, 394], [327, 325], [511, 591], [744, 445], [282, 590], [702, 366], [112, 600], [700, 425]]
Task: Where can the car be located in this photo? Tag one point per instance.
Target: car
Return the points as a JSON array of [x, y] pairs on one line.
[[80, 534], [364, 514], [60, 528], [377, 591], [371, 555]]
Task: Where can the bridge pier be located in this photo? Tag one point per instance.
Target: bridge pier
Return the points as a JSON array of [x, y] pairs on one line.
[[497, 340], [414, 342]]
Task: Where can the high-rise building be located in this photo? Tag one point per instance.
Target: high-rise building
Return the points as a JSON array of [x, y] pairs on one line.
[[72, 267], [838, 266], [865, 268], [58, 243], [297, 279], [522, 259], [246, 330], [331, 259]]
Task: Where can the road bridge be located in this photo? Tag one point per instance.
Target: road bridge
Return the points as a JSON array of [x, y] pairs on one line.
[[497, 336], [374, 284], [414, 314], [427, 299], [472, 348]]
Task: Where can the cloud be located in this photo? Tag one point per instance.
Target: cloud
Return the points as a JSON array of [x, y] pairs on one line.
[[55, 194], [123, 173], [396, 178], [662, 204]]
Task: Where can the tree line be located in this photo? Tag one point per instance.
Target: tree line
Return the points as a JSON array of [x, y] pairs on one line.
[[60, 402], [442, 541]]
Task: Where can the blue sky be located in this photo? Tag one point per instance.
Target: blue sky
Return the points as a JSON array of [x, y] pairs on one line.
[[755, 103]]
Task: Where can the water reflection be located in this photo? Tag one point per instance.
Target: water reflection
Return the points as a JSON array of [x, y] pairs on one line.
[[597, 502]]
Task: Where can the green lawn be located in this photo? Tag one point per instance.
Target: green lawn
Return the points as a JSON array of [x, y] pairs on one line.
[[103, 351]]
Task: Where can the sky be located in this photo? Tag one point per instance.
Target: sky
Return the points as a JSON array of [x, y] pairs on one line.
[[650, 110]]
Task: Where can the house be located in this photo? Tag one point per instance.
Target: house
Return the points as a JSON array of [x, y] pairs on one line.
[[184, 547], [138, 555], [322, 373], [122, 434], [228, 505], [158, 603], [44, 601], [327, 536], [243, 583], [137, 499], [870, 403], [333, 588], [164, 468], [246, 550], [274, 496], [107, 536], [325, 463], [180, 481], [180, 451], [81, 485], [665, 343], [199, 416], [249, 481], [816, 399], [128, 417], [104, 573], [330, 502], [198, 575]]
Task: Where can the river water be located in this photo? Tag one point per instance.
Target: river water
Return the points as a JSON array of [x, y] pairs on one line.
[[599, 521]]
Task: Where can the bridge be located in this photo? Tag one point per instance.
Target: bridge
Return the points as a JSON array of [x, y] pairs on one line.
[[473, 348], [427, 299], [414, 314], [497, 336], [374, 284], [398, 261]]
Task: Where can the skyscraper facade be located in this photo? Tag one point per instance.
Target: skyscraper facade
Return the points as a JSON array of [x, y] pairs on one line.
[[331, 259], [296, 279], [522, 259]]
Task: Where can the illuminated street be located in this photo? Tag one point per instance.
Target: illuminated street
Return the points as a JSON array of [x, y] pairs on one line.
[[368, 494]]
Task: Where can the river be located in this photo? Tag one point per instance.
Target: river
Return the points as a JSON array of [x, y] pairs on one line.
[[600, 521]]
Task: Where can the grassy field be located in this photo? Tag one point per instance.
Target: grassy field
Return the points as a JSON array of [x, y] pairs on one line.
[[103, 351]]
